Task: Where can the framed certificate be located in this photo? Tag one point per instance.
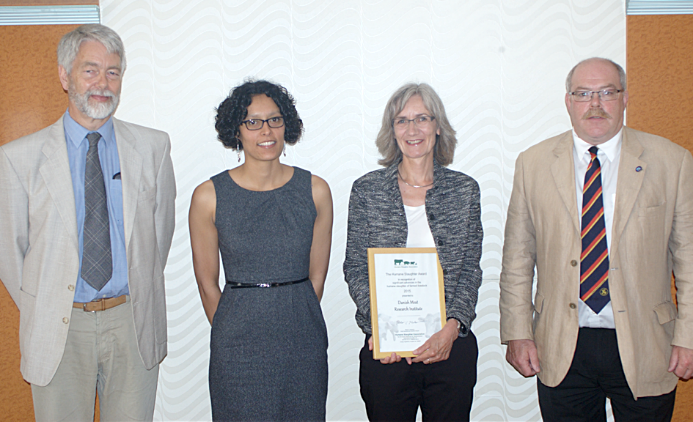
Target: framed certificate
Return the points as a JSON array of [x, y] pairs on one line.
[[407, 298]]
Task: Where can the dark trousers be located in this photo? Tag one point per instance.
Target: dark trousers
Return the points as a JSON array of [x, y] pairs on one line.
[[595, 374], [444, 390]]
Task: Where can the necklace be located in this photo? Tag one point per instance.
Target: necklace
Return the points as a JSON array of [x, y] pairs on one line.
[[414, 186]]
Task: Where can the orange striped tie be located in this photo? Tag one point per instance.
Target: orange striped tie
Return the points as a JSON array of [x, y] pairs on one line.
[[594, 261]]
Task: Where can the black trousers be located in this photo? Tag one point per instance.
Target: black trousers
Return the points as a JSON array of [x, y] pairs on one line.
[[595, 374], [444, 390]]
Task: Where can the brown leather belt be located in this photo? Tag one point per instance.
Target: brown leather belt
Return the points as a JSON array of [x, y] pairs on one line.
[[101, 304]]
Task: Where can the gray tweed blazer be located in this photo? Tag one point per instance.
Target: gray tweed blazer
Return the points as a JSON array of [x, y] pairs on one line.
[[377, 220]]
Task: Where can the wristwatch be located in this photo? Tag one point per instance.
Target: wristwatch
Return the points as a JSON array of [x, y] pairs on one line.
[[461, 328], [459, 324]]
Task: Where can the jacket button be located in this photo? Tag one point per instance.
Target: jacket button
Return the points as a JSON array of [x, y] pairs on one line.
[[573, 306], [573, 263], [431, 217], [71, 287], [440, 242], [445, 272], [66, 320]]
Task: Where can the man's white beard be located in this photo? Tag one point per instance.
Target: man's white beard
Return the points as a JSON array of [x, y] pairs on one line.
[[98, 110]]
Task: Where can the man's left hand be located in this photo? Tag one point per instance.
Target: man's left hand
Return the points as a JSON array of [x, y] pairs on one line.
[[681, 362]]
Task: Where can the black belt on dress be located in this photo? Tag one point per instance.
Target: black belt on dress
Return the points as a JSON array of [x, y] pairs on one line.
[[235, 285]]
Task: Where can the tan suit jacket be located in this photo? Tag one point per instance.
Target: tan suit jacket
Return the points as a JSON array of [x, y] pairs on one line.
[[39, 253], [652, 235]]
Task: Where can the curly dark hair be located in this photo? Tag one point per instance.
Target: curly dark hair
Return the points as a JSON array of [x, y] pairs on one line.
[[234, 109]]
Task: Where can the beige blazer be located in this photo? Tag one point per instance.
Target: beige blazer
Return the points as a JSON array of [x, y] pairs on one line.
[[39, 260], [652, 235]]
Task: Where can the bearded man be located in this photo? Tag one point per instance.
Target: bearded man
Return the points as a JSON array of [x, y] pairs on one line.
[[86, 221]]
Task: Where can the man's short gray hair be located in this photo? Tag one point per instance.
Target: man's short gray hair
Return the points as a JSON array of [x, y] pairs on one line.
[[619, 69], [69, 44]]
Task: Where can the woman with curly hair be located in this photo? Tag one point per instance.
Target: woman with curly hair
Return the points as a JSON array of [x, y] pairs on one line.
[[272, 224]]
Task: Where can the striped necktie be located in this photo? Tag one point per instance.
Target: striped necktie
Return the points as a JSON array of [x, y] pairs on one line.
[[594, 260]]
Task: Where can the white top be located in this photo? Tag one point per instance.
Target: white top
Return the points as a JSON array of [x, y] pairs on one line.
[[419, 233], [609, 155]]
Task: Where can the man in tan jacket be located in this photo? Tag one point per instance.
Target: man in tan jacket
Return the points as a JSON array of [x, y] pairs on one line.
[[605, 213]]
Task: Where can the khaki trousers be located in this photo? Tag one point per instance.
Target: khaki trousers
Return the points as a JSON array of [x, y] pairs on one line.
[[100, 354]]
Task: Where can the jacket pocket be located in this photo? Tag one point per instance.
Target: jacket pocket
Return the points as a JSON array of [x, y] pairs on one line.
[[666, 312], [651, 211], [26, 299], [148, 194]]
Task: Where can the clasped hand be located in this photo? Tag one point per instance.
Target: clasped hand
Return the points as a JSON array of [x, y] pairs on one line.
[[435, 349]]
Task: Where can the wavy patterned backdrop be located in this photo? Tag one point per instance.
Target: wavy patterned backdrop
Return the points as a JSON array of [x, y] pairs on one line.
[[499, 66]]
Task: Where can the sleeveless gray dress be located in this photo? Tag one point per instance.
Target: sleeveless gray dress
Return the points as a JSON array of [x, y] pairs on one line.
[[268, 349]]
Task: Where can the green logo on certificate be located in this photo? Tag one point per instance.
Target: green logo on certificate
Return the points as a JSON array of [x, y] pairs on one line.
[[402, 263]]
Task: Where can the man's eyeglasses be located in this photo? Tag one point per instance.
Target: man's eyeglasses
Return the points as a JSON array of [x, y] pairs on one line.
[[420, 121], [257, 124], [604, 95]]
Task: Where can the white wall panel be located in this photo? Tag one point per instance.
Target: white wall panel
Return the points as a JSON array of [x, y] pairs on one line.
[[499, 66]]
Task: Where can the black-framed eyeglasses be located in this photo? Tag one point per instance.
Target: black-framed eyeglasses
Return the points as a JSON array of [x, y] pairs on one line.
[[604, 95], [420, 121], [257, 124]]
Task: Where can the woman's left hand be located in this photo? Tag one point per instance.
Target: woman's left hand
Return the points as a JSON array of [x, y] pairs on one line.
[[437, 348]]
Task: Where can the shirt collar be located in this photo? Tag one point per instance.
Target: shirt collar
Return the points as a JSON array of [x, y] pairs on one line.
[[610, 148], [76, 132]]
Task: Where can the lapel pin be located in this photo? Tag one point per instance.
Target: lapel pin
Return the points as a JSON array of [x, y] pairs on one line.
[[638, 168]]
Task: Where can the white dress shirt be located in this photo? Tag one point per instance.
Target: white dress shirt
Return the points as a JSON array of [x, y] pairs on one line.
[[609, 156]]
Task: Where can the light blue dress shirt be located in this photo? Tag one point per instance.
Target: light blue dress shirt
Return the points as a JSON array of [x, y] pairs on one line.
[[77, 146]]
